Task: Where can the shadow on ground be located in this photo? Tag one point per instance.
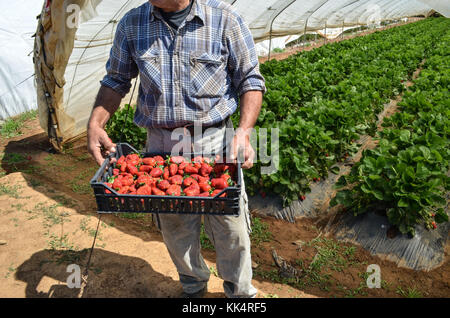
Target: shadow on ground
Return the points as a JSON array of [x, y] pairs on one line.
[[111, 275]]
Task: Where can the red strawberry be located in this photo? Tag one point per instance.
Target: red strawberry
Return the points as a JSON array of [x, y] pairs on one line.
[[205, 169], [189, 181], [198, 159], [145, 168], [121, 160], [166, 173], [109, 185], [190, 169], [127, 181], [173, 169], [174, 190], [117, 184], [144, 190], [156, 191], [215, 192], [159, 160], [177, 159], [219, 183], [204, 186], [156, 172], [123, 190], [202, 179], [132, 169], [132, 163], [163, 185], [192, 191], [149, 161], [145, 179], [176, 179]]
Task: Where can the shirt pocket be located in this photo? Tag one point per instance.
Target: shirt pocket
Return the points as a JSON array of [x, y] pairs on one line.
[[207, 75], [149, 63]]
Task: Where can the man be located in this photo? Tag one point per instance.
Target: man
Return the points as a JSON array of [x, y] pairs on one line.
[[196, 61]]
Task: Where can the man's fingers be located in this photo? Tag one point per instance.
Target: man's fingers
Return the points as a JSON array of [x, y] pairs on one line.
[[97, 154], [248, 157], [107, 143], [233, 152]]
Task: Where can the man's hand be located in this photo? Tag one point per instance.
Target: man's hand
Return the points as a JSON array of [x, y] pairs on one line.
[[250, 107], [105, 105], [241, 142], [98, 140]]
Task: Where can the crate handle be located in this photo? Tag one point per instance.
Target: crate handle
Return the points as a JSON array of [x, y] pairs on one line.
[[103, 168]]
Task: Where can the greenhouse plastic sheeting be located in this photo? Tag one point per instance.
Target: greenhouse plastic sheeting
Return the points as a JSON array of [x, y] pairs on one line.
[[70, 62], [262, 48], [17, 25]]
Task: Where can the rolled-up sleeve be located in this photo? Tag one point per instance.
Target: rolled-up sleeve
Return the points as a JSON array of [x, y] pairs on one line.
[[120, 68], [243, 61]]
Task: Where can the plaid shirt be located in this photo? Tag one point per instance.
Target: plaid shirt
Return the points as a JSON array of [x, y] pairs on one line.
[[194, 75]]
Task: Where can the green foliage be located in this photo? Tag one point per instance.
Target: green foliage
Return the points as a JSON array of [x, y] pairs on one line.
[[407, 173], [205, 242], [278, 50], [409, 293], [322, 100], [260, 232], [121, 128], [12, 127]]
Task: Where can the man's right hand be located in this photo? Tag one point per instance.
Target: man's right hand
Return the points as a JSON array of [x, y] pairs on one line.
[[98, 143], [98, 140]]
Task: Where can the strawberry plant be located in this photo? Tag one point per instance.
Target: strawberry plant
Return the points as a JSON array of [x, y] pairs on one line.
[[121, 128]]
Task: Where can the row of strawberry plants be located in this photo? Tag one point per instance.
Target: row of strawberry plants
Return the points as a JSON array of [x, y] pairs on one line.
[[316, 73], [407, 174], [314, 134]]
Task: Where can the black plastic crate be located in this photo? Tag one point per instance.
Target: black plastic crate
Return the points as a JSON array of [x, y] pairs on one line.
[[126, 203]]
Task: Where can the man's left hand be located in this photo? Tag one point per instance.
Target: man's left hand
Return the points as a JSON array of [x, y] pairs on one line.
[[241, 141]]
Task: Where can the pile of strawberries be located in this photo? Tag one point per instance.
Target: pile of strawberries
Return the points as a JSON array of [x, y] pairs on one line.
[[175, 176]]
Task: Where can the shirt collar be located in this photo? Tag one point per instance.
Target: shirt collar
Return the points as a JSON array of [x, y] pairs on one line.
[[196, 11]]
